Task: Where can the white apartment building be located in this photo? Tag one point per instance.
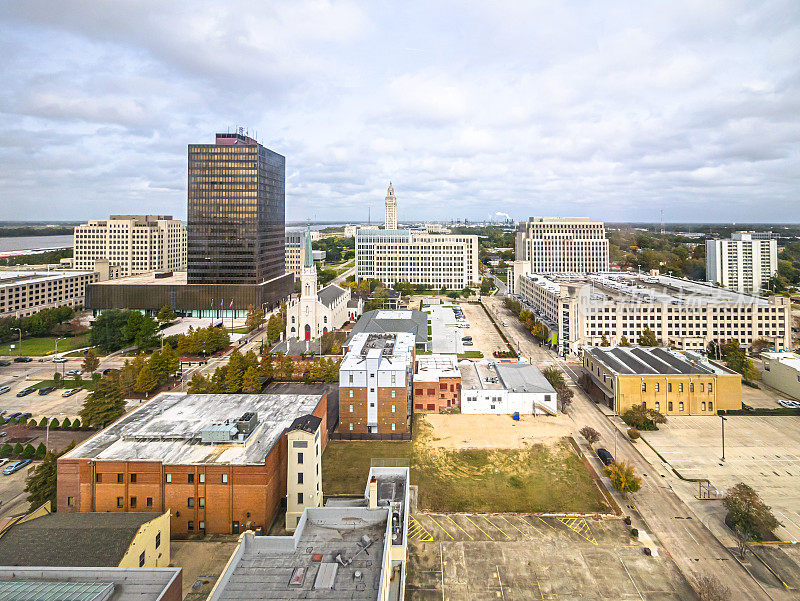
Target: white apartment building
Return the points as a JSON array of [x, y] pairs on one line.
[[437, 261], [390, 219], [303, 468], [559, 245], [134, 243], [23, 293], [294, 249], [580, 310], [745, 262]]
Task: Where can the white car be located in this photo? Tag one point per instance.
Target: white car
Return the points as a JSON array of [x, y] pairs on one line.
[[789, 404], [59, 359], [3, 462]]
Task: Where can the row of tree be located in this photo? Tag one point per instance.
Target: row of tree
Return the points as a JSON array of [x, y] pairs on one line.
[[240, 374], [17, 451], [202, 341], [41, 323]]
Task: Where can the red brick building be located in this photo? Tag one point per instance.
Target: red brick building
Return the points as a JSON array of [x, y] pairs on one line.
[[437, 384], [216, 462]]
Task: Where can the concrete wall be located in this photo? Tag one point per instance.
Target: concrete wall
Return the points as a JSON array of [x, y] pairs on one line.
[[152, 539], [782, 376]]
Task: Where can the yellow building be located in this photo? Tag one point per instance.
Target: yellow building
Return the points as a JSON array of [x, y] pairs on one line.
[[303, 468], [671, 382], [127, 540]]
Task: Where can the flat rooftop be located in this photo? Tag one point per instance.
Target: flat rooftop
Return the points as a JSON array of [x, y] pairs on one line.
[[175, 278], [478, 375], [167, 429], [640, 288], [791, 360], [655, 360], [432, 367], [86, 584], [283, 567], [392, 347], [16, 277], [379, 320], [523, 377]]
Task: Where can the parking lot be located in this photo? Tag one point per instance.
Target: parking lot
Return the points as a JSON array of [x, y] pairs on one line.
[[518, 556], [12, 492], [445, 336], [762, 451], [484, 335]]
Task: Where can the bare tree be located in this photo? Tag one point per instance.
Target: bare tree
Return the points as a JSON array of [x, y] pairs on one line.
[[590, 434], [710, 589]]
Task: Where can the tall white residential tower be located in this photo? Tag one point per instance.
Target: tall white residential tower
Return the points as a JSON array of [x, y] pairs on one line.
[[745, 262]]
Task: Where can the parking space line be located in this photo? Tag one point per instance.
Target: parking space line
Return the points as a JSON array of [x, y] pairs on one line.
[[505, 519], [546, 523], [440, 526], [460, 528], [498, 527], [479, 528], [417, 531]]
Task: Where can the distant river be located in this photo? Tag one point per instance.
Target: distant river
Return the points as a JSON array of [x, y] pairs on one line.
[[35, 243]]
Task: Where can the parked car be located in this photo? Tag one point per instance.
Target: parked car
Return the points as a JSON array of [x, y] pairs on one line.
[[42, 360], [466, 338], [59, 359], [26, 391], [3, 434], [71, 391], [22, 359], [789, 404], [604, 456], [466, 342], [3, 462], [74, 372], [109, 370], [16, 466], [12, 416], [4, 389], [46, 390], [4, 363], [24, 417]]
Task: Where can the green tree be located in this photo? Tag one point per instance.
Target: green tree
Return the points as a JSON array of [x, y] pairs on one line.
[[90, 361], [748, 513], [66, 423], [738, 361], [251, 381], [235, 372], [43, 422], [147, 380], [199, 384], [623, 478], [147, 335], [648, 338], [76, 424], [624, 341], [6, 450], [28, 452], [165, 314], [18, 449], [255, 318], [54, 424], [105, 403], [286, 368], [41, 483], [274, 328], [604, 341], [57, 379], [267, 367], [41, 451], [643, 419]]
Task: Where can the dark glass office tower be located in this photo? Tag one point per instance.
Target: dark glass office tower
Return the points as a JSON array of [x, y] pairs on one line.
[[235, 225]]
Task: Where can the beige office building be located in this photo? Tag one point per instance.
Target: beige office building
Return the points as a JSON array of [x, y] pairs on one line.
[[133, 243], [434, 260], [559, 245], [390, 219], [24, 292], [580, 310], [303, 468]]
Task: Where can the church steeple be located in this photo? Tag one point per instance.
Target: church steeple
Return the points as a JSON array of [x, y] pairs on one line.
[[309, 259], [308, 277]]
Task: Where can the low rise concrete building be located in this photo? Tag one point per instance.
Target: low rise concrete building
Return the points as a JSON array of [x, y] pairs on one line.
[[670, 382], [25, 292], [782, 372], [380, 321], [505, 388], [217, 462], [132, 540], [437, 384], [351, 549], [375, 384]]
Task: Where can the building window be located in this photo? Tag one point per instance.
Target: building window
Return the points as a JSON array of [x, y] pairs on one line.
[[394, 379], [191, 478], [644, 386], [299, 458], [710, 387], [133, 478], [393, 426], [141, 559], [201, 501], [120, 501], [658, 406], [710, 406], [169, 478], [70, 501], [158, 540], [98, 478], [702, 387], [680, 386], [669, 387], [224, 478], [351, 408], [149, 501], [393, 393], [351, 378], [190, 526], [703, 405], [133, 502], [190, 502], [644, 404], [351, 427], [300, 498], [120, 478], [392, 405], [680, 406], [201, 525], [299, 477], [351, 394], [202, 478], [656, 385], [669, 406]]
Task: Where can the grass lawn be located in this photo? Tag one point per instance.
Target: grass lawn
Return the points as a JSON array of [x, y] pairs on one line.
[[537, 478], [239, 330], [37, 347], [86, 383]]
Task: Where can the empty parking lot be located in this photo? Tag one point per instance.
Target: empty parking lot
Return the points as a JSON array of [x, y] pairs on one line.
[[516, 556]]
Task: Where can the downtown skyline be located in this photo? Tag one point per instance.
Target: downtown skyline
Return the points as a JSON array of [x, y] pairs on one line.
[[474, 113]]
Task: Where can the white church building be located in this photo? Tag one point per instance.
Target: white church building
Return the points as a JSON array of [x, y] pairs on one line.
[[317, 311]]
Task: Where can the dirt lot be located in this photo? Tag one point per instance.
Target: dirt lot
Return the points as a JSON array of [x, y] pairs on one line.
[[495, 431], [485, 337], [202, 563], [491, 556]]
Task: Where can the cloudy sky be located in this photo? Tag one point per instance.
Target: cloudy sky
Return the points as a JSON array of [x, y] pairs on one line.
[[614, 110]]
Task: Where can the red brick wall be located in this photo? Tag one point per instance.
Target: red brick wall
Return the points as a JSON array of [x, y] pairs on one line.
[[431, 397]]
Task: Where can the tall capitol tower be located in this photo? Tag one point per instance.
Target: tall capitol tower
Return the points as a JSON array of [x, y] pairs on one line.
[[390, 222]]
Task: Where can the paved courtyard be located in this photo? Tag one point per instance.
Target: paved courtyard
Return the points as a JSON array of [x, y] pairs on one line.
[[514, 556], [762, 451]]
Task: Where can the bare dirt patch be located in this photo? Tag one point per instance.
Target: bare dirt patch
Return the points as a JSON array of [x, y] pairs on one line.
[[495, 431]]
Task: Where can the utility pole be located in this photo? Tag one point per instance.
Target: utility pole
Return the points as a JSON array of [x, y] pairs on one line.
[[724, 419], [19, 350]]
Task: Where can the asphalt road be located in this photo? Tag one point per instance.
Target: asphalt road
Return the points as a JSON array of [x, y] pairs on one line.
[[692, 546]]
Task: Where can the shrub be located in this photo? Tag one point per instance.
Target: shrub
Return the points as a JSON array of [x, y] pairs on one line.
[[634, 532], [53, 423], [28, 452], [66, 423], [43, 422], [710, 589], [18, 449], [634, 434], [41, 451], [643, 419], [76, 424], [623, 477], [6, 450]]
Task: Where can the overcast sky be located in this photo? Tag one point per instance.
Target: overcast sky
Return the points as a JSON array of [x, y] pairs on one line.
[[613, 110]]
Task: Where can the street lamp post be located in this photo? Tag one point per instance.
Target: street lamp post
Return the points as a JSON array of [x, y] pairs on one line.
[[724, 419], [19, 349]]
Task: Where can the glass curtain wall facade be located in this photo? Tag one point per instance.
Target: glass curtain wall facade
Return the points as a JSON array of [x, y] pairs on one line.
[[235, 220]]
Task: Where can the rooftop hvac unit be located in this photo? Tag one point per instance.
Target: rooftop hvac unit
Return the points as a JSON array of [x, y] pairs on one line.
[[247, 423]]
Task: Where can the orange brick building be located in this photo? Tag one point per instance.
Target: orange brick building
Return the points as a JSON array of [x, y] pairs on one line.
[[437, 384], [375, 384], [216, 462]]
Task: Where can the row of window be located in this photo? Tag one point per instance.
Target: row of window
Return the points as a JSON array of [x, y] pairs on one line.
[[657, 387], [190, 479]]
